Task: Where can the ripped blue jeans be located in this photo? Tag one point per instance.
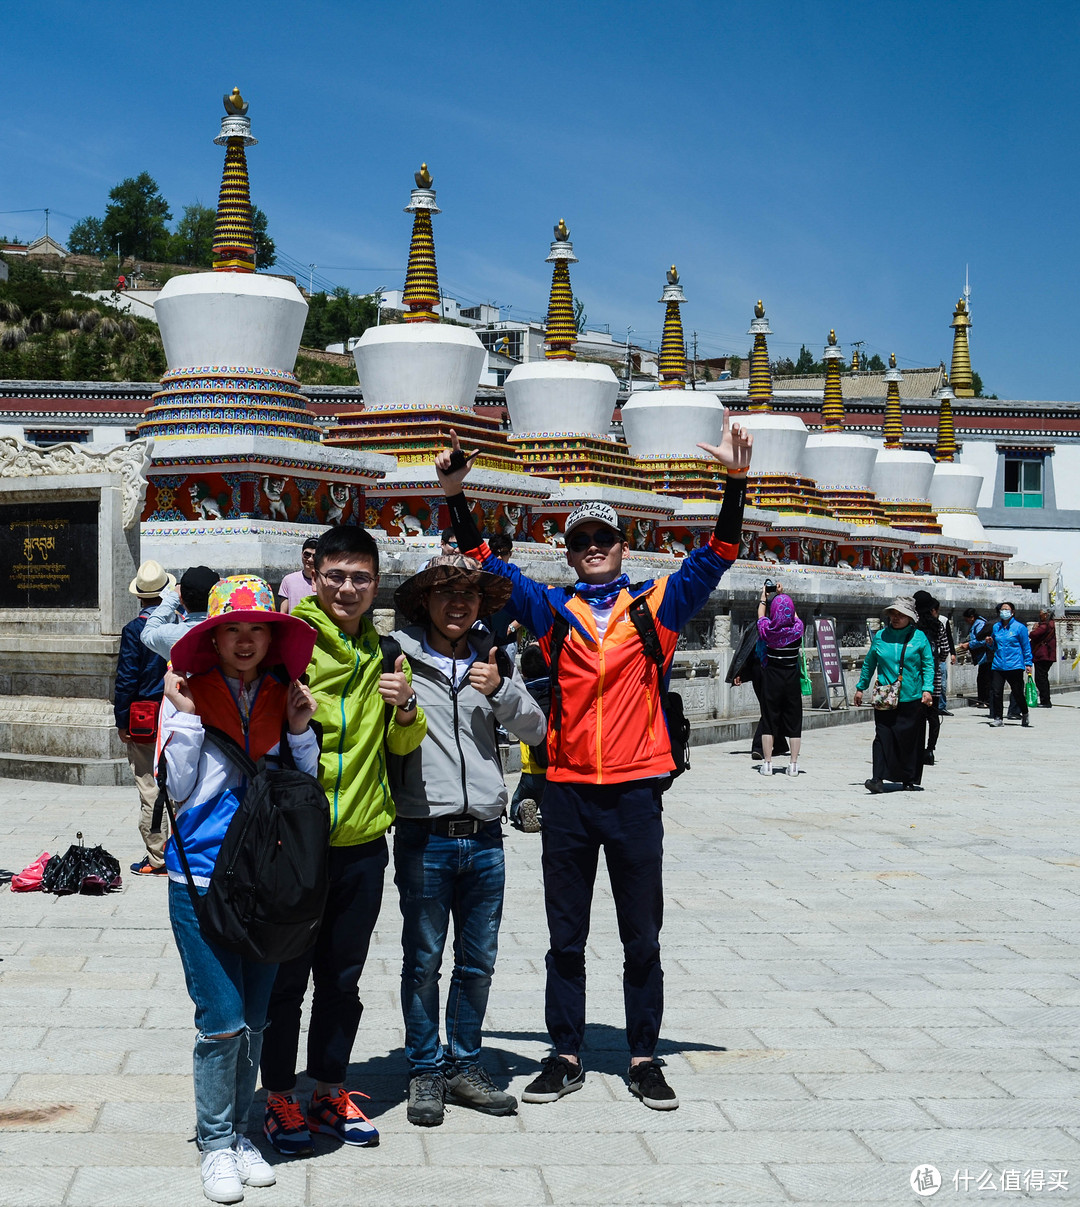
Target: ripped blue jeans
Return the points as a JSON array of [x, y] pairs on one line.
[[231, 995]]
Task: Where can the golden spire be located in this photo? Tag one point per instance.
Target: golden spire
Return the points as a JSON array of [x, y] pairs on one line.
[[560, 332], [421, 292], [760, 393], [854, 360], [945, 448], [894, 423], [673, 345], [832, 408], [234, 240], [961, 355]]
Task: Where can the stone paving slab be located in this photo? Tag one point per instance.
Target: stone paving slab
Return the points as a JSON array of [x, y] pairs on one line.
[[855, 985]]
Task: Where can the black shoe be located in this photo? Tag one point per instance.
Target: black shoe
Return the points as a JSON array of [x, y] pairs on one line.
[[945, 712], [912, 787], [647, 1082], [427, 1092], [874, 786], [1025, 723], [928, 759], [557, 1077]]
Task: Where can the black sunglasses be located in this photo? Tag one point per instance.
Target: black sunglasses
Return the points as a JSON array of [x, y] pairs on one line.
[[603, 538]]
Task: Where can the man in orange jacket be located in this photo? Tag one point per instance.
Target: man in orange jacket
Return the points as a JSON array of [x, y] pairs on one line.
[[608, 753]]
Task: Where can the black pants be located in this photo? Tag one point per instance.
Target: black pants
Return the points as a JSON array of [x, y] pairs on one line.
[[933, 725], [626, 820], [1042, 681], [780, 745], [1015, 680], [334, 964], [982, 681]]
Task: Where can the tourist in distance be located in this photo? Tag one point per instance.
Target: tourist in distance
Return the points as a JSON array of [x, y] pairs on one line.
[[946, 629], [364, 713], [608, 753], [904, 664], [978, 627], [238, 671], [1010, 649], [1043, 639], [179, 613], [745, 667], [448, 846], [140, 678], [528, 801], [932, 629], [300, 583], [780, 634]]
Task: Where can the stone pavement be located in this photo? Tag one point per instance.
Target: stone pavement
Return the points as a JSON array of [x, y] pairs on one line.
[[856, 986]]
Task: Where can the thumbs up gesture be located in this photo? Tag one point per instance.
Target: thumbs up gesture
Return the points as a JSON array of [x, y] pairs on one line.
[[485, 676], [394, 687]]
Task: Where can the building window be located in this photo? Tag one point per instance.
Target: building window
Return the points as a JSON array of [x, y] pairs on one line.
[[46, 436], [1023, 482]]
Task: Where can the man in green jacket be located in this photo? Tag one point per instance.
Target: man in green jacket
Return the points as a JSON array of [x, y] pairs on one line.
[[364, 713]]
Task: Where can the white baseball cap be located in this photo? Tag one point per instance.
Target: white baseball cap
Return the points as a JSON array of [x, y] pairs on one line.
[[599, 513]]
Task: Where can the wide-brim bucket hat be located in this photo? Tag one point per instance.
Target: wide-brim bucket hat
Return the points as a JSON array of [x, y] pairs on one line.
[[905, 605], [245, 599], [457, 568]]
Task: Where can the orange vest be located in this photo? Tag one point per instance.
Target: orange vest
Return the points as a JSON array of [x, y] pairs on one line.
[[215, 704]]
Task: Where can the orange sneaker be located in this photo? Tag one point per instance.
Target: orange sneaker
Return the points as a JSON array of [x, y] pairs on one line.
[[339, 1115], [285, 1127]]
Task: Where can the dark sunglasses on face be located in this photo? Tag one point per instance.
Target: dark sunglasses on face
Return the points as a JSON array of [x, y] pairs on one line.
[[603, 538]]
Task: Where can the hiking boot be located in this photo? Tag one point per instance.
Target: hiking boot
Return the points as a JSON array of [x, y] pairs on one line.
[[557, 1077], [528, 817], [285, 1127], [427, 1092], [647, 1083], [874, 786], [220, 1180], [339, 1115], [473, 1087], [145, 868], [251, 1166]]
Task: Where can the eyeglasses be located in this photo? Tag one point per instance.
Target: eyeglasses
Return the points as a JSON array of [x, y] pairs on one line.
[[603, 538], [464, 593], [337, 579]]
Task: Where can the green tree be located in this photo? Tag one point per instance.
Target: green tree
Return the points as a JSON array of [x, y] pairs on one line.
[[334, 318], [87, 238], [804, 366], [734, 365], [976, 384], [265, 248], [875, 364], [136, 217], [580, 317], [193, 240]]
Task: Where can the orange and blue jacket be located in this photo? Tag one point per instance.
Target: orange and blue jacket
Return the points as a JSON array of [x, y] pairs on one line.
[[612, 729]]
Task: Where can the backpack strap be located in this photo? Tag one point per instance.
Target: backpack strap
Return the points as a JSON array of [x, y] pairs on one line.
[[642, 618], [233, 751], [163, 803], [560, 630]]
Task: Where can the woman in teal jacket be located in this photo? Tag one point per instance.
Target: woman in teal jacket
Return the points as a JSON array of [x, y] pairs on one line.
[[899, 733]]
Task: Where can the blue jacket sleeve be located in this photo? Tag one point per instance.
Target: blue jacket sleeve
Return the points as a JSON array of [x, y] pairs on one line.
[[528, 599], [127, 674], [1025, 642], [689, 588]]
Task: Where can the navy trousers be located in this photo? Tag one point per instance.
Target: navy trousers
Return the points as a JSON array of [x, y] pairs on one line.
[[626, 821]]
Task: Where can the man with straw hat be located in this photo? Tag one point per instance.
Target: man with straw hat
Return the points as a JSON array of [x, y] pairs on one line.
[[140, 678], [448, 847]]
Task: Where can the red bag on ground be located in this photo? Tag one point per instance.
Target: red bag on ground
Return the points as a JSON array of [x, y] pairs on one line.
[[29, 879]]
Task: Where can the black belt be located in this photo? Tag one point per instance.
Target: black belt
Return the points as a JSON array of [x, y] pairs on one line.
[[448, 827]]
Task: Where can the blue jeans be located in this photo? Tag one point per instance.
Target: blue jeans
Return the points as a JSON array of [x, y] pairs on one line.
[[438, 878], [230, 996], [943, 699]]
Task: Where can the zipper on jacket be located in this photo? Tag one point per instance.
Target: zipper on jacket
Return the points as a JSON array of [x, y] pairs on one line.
[[461, 753], [600, 716], [341, 738]]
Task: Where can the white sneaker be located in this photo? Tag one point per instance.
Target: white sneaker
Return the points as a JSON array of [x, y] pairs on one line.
[[251, 1165], [793, 768], [764, 768], [220, 1178]]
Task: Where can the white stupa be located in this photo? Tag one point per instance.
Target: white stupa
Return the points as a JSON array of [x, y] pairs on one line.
[[901, 478]]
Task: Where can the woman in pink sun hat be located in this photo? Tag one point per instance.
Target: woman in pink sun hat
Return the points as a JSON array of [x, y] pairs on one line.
[[238, 671]]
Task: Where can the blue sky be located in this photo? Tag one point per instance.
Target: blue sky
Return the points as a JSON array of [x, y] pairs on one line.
[[843, 162]]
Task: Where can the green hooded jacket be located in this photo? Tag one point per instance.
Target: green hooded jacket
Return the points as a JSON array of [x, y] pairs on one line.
[[343, 676]]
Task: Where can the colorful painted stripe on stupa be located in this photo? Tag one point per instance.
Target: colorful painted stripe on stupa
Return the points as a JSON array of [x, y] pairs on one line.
[[421, 293], [945, 447], [234, 241]]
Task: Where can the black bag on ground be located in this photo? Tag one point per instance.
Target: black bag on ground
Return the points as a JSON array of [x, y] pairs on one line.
[[89, 870], [270, 881]]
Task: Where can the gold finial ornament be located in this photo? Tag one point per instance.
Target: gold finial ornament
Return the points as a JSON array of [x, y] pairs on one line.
[[832, 338], [672, 344], [963, 382], [562, 231], [423, 178], [832, 406], [673, 275], [235, 105], [892, 360], [961, 306], [759, 309]]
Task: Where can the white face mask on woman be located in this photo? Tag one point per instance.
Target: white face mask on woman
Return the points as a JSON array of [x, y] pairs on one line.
[[1005, 613]]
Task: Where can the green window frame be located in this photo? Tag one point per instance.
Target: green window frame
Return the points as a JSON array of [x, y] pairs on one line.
[[1023, 482]]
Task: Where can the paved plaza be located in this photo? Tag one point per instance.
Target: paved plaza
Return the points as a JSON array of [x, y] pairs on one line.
[[857, 986]]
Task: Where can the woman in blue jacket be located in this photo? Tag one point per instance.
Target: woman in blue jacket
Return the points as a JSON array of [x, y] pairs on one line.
[[1010, 647]]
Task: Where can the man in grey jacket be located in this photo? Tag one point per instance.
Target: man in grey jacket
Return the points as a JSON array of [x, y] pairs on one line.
[[167, 623], [448, 852]]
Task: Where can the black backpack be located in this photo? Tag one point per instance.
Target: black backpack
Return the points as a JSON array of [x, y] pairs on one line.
[[271, 877], [670, 701]]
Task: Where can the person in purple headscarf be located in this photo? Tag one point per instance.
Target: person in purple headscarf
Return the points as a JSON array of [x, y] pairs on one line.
[[779, 640]]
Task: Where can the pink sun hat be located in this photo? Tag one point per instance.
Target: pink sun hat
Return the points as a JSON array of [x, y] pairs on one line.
[[246, 599]]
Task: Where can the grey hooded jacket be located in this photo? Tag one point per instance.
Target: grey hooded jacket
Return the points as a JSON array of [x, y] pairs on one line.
[[456, 769]]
